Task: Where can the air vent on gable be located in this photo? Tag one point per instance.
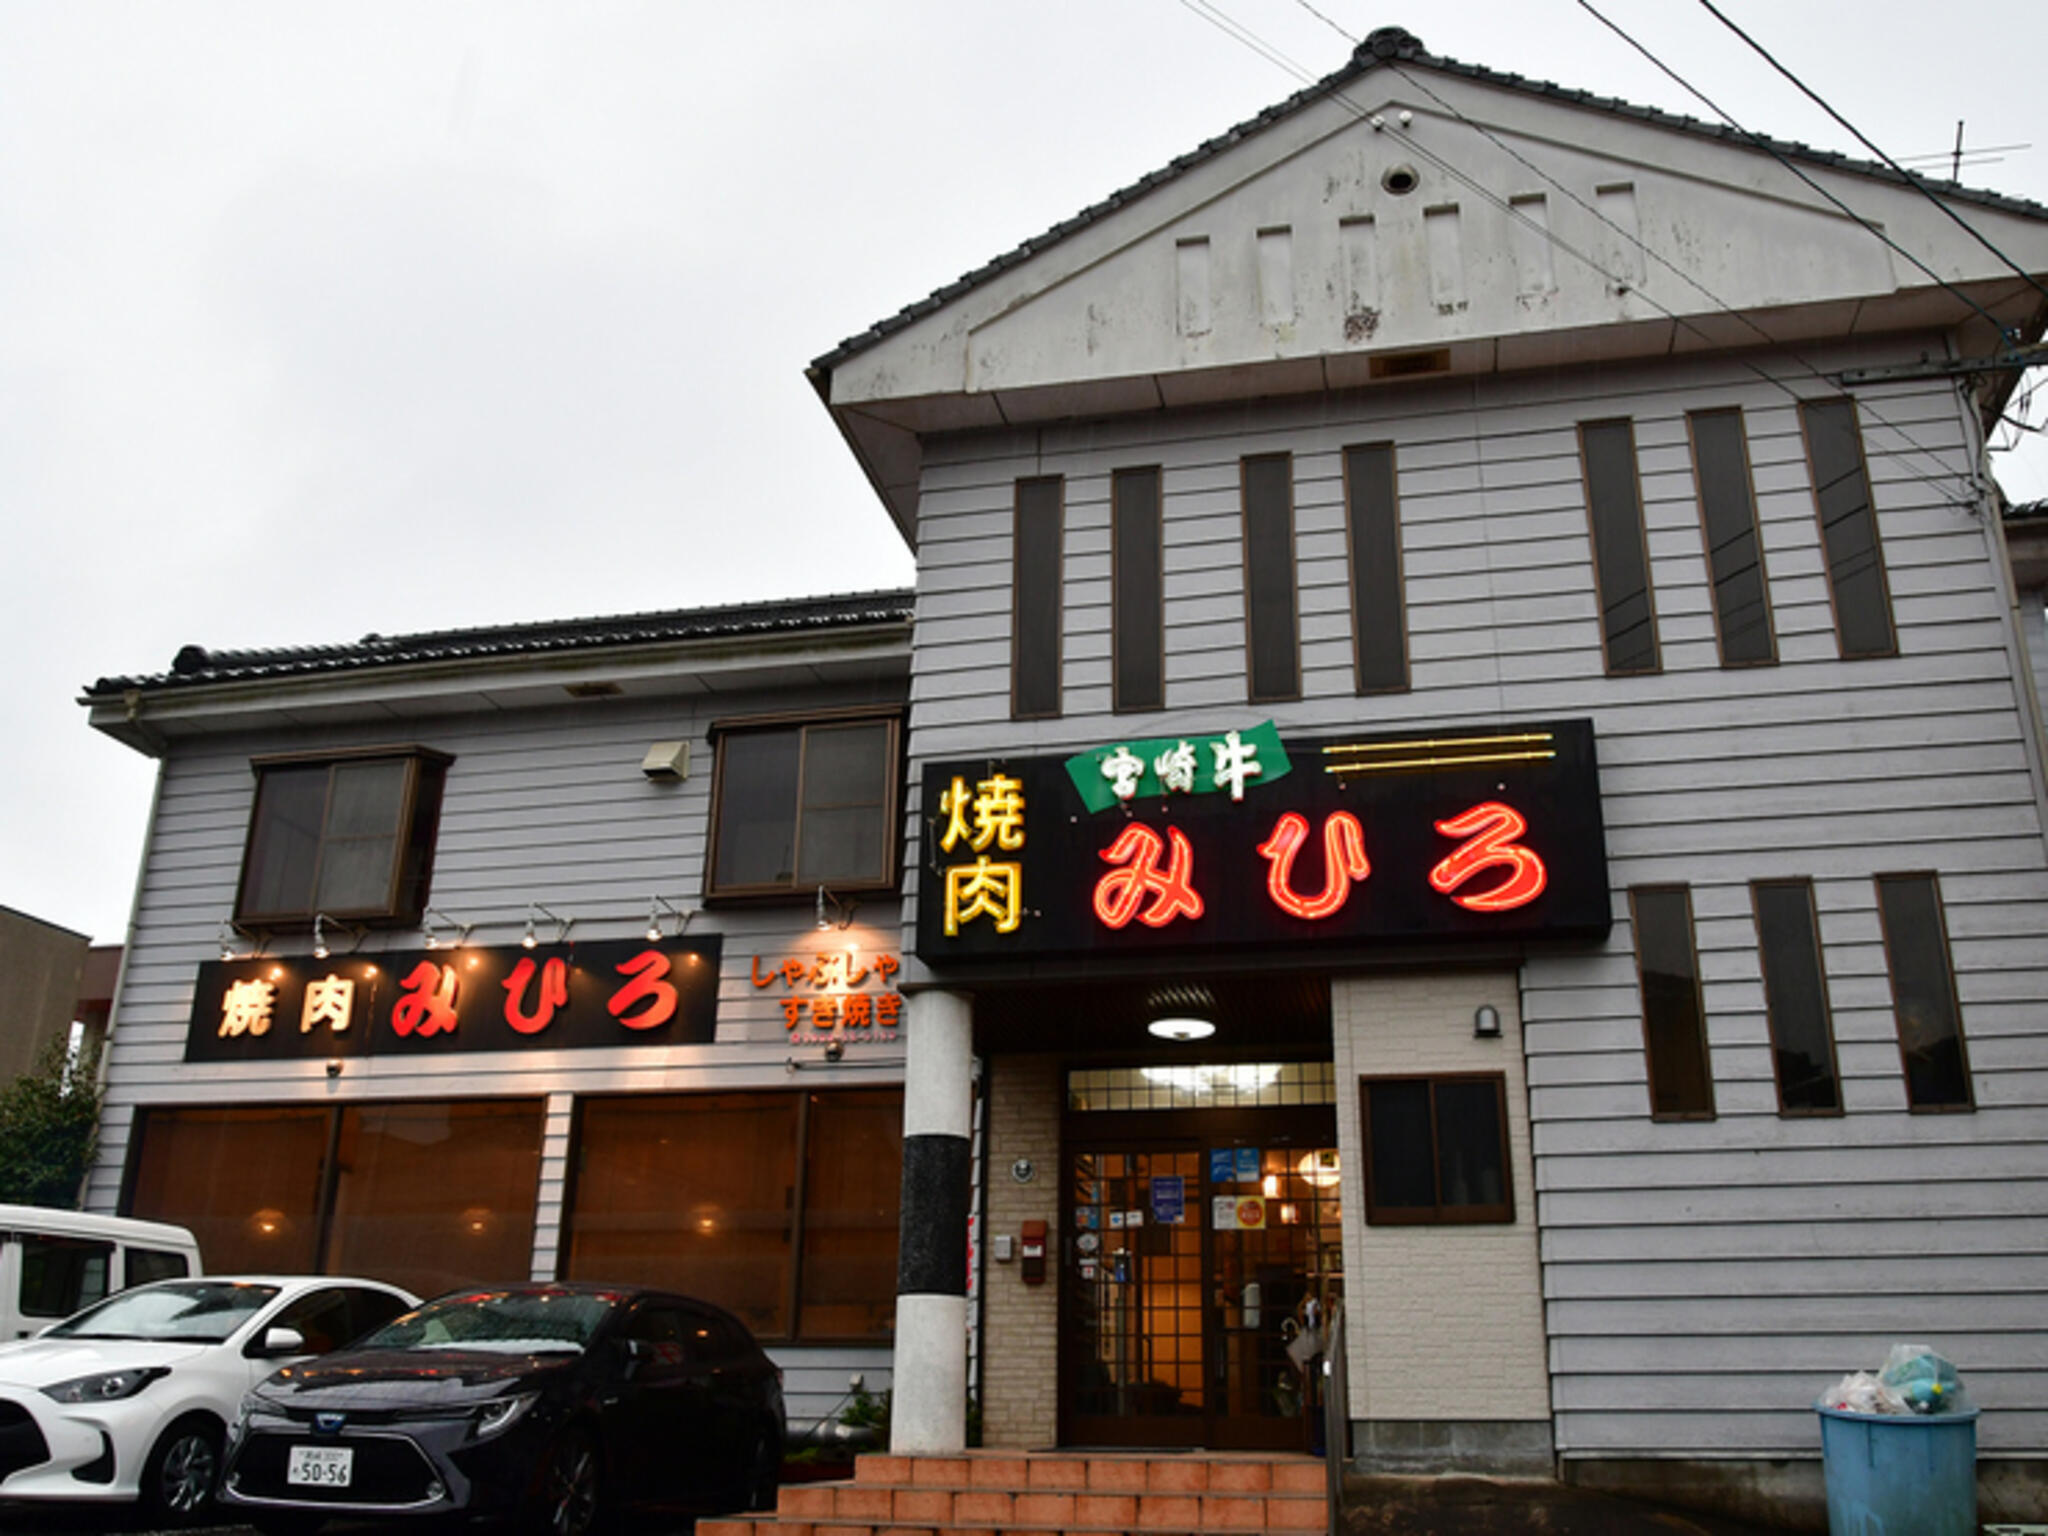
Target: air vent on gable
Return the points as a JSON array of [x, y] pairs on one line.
[[1407, 365]]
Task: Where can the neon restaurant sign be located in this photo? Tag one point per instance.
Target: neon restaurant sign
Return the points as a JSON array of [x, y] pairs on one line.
[[473, 998], [1243, 840]]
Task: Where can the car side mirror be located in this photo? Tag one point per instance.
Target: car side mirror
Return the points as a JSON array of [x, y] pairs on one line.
[[636, 1353], [282, 1341]]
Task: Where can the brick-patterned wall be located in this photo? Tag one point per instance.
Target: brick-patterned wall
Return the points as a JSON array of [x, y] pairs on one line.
[[1020, 1323], [1444, 1322]]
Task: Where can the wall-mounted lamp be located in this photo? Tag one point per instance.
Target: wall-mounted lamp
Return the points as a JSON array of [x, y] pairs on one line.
[[656, 905], [1486, 1023], [434, 939], [835, 1049], [562, 925], [1181, 1013], [227, 941], [841, 913], [321, 923]]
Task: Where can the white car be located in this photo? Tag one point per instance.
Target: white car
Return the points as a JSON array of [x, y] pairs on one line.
[[129, 1400]]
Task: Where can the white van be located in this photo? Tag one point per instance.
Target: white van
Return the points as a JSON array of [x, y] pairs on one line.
[[54, 1262]]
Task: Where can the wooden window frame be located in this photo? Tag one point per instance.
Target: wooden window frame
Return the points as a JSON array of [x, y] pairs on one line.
[[1117, 563], [1352, 519], [1884, 581], [1699, 1001], [797, 887], [417, 824], [1251, 628], [1642, 532], [1770, 658], [1820, 969], [1955, 1002], [1501, 1213], [1021, 602]]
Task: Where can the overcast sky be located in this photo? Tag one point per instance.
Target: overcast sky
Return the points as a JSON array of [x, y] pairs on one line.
[[318, 320]]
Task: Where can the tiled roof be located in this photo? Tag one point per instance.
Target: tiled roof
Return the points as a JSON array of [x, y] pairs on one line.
[[196, 665], [1389, 44]]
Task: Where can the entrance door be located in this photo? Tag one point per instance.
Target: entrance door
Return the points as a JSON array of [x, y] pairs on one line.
[[1188, 1261]]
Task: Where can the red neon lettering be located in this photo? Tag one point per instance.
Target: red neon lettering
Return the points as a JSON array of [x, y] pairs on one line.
[[554, 993], [1343, 851], [648, 968], [1490, 831], [429, 1001], [1120, 893]]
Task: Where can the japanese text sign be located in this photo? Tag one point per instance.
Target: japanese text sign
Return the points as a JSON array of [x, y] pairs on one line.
[[1233, 841], [416, 1002]]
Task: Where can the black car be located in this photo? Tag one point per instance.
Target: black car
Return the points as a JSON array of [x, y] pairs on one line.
[[557, 1404]]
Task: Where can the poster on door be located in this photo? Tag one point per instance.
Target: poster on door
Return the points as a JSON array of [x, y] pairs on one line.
[[1237, 1213]]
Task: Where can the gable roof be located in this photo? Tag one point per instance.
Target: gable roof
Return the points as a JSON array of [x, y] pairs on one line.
[[1384, 45], [196, 665]]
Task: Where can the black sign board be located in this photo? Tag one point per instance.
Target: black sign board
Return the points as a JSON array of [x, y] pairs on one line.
[[427, 1002], [1387, 838]]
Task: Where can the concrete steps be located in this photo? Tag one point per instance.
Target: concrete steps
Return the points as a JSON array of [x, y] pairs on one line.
[[1051, 1493]]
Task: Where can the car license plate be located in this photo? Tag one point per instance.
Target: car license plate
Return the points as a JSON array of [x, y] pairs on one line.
[[319, 1466]]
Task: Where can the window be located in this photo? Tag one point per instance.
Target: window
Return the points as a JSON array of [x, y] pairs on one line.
[[1742, 609], [430, 1196], [1270, 631], [779, 1207], [147, 1264], [1621, 560], [1674, 1019], [423, 1195], [1138, 586], [1035, 599], [1924, 993], [1796, 995], [61, 1274], [348, 836], [1848, 529], [1379, 621], [804, 803], [1436, 1150]]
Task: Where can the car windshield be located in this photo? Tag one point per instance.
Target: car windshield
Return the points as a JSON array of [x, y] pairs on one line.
[[191, 1311], [521, 1322]]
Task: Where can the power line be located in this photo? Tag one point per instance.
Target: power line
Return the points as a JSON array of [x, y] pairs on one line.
[[1912, 179], [1968, 479], [1319, 16], [1998, 326]]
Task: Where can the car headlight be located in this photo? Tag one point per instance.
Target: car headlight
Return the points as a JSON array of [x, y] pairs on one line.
[[494, 1418], [105, 1386]]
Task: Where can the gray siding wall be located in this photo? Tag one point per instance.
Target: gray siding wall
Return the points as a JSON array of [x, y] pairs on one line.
[[544, 805], [1703, 1282]]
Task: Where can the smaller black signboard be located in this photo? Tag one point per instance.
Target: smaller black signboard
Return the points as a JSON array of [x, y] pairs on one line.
[[427, 1002]]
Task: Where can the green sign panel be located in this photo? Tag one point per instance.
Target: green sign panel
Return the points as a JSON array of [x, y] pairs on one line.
[[1189, 765]]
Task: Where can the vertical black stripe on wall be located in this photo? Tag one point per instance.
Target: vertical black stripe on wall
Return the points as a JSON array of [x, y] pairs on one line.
[[1378, 617], [1035, 599], [931, 1253], [1269, 577], [1138, 597]]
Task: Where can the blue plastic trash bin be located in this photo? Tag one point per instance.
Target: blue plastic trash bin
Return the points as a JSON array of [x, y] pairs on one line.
[[1894, 1474]]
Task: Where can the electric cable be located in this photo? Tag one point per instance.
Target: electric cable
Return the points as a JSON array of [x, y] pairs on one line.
[[1998, 326], [1974, 488], [1912, 179]]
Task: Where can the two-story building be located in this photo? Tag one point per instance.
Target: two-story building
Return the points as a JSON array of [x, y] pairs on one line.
[[550, 950], [1471, 755]]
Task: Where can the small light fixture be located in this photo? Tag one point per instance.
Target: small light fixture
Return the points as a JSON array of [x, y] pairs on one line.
[[835, 1048], [1486, 1023], [656, 905], [840, 915], [562, 925], [1181, 1013], [321, 923], [227, 942], [462, 929]]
